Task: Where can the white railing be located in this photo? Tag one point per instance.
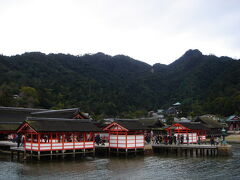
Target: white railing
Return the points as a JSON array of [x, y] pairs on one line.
[[126, 141], [58, 146]]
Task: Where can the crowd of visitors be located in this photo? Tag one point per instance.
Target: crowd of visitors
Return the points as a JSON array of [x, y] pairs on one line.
[[166, 139], [177, 139]]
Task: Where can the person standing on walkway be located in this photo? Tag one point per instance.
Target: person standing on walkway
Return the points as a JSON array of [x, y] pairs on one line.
[[217, 141], [19, 138], [182, 139], [175, 139], [178, 139], [187, 138], [212, 141], [199, 140]]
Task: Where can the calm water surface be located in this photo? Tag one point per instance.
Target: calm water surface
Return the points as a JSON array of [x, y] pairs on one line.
[[140, 167]]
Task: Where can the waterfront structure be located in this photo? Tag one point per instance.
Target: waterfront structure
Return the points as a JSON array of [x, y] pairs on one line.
[[73, 113], [233, 123], [125, 135], [210, 121], [153, 124], [55, 134], [194, 131], [193, 150], [11, 118]]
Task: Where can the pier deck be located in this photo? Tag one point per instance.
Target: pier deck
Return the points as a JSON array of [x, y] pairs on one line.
[[184, 146], [193, 149]]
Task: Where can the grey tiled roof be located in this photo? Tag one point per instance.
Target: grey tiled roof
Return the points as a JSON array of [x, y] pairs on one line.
[[62, 125]]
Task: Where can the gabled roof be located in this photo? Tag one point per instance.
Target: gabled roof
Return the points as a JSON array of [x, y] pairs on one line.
[[15, 114], [9, 126], [131, 124], [194, 125], [128, 124], [233, 118], [189, 125], [62, 113], [151, 122], [61, 125], [208, 122]]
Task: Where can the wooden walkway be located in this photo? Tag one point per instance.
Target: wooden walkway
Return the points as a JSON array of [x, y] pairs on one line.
[[192, 149]]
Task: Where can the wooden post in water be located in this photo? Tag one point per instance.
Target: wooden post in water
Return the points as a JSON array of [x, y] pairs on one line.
[[194, 152], [38, 155], [11, 154]]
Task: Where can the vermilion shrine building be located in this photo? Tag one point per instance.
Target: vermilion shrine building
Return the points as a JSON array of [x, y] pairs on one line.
[[192, 129], [125, 135], [233, 123], [54, 135]]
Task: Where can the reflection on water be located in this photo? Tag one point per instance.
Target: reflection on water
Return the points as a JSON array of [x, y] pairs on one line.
[[140, 167]]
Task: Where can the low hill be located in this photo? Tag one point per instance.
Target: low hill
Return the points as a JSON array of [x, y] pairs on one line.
[[118, 85]]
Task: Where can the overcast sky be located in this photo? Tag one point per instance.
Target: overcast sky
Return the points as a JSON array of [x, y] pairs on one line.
[[153, 31]]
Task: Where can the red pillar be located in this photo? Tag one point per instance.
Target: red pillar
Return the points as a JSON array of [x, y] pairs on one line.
[[117, 139], [51, 140], [63, 139], [84, 139], [38, 137], [126, 143], [73, 140], [31, 140]]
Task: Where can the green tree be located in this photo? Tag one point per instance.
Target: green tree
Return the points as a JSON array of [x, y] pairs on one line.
[[28, 97], [6, 97]]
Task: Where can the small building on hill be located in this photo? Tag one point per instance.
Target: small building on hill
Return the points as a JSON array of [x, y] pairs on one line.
[[233, 123], [193, 130], [213, 125], [172, 111], [55, 134], [125, 135]]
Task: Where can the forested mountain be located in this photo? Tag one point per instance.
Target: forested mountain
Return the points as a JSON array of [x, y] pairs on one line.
[[119, 85]]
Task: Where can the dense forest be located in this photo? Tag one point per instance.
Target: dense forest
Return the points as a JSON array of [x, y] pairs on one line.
[[119, 86]]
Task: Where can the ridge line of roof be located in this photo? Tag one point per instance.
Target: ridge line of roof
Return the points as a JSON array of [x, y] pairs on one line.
[[53, 111], [20, 108], [10, 122], [56, 119]]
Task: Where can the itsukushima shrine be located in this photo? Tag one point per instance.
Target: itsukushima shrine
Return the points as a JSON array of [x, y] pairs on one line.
[[193, 150], [49, 136], [193, 130], [68, 131], [125, 136]]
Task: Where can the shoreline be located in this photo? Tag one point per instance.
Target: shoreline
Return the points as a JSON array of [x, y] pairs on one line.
[[233, 138]]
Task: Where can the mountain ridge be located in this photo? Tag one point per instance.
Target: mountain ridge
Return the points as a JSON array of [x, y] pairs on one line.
[[116, 85]]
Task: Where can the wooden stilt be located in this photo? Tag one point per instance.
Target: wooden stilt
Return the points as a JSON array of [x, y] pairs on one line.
[[39, 155], [93, 152], [24, 155], [51, 154], [12, 155]]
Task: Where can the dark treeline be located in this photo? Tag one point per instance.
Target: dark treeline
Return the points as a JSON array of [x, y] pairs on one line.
[[120, 86]]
